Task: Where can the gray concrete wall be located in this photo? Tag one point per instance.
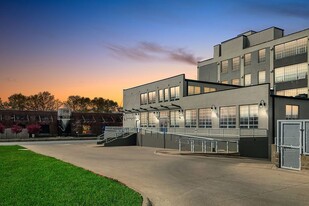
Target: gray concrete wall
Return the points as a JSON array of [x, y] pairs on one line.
[[129, 140]]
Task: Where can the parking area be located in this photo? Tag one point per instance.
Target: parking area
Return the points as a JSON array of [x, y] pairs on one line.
[[187, 180]]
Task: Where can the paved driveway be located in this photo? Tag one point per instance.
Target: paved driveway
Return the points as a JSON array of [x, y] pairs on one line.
[[188, 180]]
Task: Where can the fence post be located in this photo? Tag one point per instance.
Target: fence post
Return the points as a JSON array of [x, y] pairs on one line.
[[179, 145], [227, 146], [237, 146], [202, 146]]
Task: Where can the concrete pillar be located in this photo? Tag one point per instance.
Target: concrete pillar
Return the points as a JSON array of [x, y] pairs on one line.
[[242, 70]]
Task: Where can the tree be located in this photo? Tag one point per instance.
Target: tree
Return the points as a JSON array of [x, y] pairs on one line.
[[43, 101], [17, 102], [79, 104], [2, 128], [33, 129], [1, 104], [16, 129]]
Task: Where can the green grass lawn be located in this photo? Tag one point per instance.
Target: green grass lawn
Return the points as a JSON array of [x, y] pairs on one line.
[[27, 178]]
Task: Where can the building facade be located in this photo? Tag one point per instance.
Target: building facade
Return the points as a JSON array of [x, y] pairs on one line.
[[252, 81], [78, 123], [261, 57]]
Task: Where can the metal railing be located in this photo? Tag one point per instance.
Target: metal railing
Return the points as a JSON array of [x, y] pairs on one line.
[[221, 133], [198, 144], [112, 133]]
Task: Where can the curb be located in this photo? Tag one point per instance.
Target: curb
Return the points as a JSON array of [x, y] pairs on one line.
[[230, 155]]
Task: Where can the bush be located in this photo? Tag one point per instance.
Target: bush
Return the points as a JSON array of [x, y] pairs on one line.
[[2, 128], [16, 129], [33, 128]]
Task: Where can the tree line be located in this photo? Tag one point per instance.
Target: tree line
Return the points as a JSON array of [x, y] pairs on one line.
[[45, 101]]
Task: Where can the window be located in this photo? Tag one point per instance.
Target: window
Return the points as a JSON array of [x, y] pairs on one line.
[[143, 116], [224, 82], [292, 92], [224, 66], [290, 73], [151, 97], [194, 90], [247, 79], [143, 98], [152, 119], [247, 59], [236, 63], [161, 95], [204, 118], [235, 81], [262, 77], [209, 89], [291, 48], [164, 114], [228, 117], [174, 93], [291, 111], [262, 55], [174, 118], [166, 95], [190, 120], [248, 116]]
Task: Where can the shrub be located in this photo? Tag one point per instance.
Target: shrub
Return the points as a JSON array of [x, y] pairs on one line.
[[16, 129], [33, 128], [2, 128]]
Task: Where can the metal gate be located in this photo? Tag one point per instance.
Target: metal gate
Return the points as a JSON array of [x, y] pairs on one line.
[[289, 143]]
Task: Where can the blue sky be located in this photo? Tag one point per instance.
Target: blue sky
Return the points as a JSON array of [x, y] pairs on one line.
[[97, 48]]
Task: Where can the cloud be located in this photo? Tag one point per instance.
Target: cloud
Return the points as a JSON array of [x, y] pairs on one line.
[[289, 9], [150, 51]]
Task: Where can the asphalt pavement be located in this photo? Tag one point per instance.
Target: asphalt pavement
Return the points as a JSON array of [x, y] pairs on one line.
[[187, 180]]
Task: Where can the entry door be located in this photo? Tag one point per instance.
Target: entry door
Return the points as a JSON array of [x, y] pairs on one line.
[[290, 145]]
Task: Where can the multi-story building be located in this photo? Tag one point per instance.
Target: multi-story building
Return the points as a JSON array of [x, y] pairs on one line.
[[261, 57], [252, 81]]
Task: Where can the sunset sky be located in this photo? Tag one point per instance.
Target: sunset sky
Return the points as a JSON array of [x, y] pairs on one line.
[[96, 48]]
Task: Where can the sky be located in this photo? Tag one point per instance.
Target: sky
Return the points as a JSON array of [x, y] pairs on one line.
[[97, 48]]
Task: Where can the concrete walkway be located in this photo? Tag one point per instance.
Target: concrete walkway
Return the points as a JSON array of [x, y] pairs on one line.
[[188, 180]]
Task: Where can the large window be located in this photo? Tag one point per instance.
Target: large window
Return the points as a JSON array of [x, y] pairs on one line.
[[175, 93], [292, 92], [143, 119], [224, 66], [143, 98], [161, 95], [235, 81], [262, 77], [291, 48], [236, 63], [190, 120], [152, 119], [204, 118], [248, 116], [247, 59], [262, 55], [166, 95], [247, 79], [228, 117], [290, 73], [174, 115], [194, 90], [209, 89], [291, 111], [151, 97]]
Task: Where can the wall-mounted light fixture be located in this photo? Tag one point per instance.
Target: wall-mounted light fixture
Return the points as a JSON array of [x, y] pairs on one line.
[[180, 113], [137, 116], [157, 114], [213, 108], [262, 104]]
